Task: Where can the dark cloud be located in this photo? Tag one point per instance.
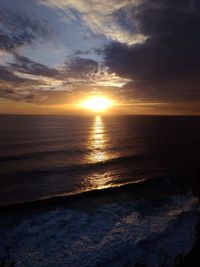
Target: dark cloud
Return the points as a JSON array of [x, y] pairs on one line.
[[17, 30], [12, 86], [17, 82], [166, 66], [76, 67], [7, 76], [81, 53], [81, 67], [25, 65], [7, 91], [97, 51]]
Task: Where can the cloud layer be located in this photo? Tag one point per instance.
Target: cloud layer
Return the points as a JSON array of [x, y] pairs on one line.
[[108, 18], [17, 30], [54, 52], [166, 66]]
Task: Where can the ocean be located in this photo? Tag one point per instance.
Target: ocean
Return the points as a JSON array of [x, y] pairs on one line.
[[124, 182], [44, 156]]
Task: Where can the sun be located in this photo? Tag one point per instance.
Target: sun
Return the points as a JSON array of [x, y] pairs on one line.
[[97, 103]]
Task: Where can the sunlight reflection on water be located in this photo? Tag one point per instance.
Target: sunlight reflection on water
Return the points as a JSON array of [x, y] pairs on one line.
[[97, 141], [98, 145]]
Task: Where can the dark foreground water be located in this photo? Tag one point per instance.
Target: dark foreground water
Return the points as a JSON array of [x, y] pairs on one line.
[[47, 156]]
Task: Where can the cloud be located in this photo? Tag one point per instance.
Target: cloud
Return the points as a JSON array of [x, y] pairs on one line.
[[92, 73], [17, 30], [107, 18], [81, 67], [150, 54], [22, 78], [165, 66], [26, 80], [24, 65], [14, 87]]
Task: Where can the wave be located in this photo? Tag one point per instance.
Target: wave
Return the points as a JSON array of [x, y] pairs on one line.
[[41, 154], [117, 160], [62, 197], [97, 233], [141, 188], [125, 174], [34, 142]]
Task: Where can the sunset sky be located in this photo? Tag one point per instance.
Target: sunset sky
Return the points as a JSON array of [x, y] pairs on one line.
[[142, 54]]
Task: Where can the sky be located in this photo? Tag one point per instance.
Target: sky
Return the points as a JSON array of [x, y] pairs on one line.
[[142, 54]]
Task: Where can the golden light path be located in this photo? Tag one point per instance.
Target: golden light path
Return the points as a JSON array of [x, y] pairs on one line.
[[97, 103], [98, 145], [97, 142]]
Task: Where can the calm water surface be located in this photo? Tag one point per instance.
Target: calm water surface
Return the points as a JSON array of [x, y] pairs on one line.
[[44, 156]]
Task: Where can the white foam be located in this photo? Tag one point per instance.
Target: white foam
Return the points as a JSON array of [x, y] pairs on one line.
[[111, 235]]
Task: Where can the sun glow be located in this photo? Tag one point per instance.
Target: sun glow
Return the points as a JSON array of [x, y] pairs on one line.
[[97, 103]]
